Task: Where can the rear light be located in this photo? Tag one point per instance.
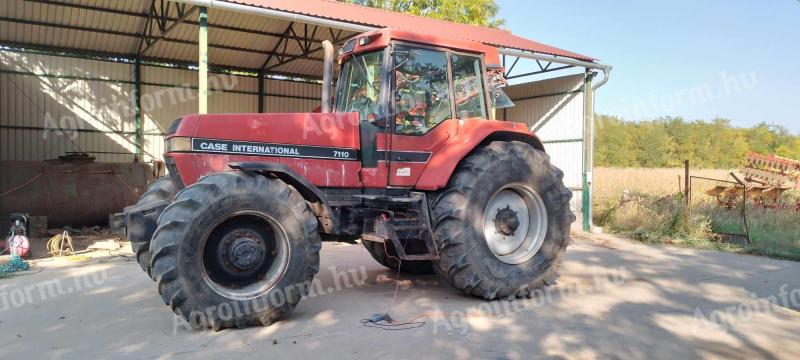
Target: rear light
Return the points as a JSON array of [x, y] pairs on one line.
[[178, 144]]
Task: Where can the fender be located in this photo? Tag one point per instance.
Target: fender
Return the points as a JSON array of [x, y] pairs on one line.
[[312, 194], [471, 134]]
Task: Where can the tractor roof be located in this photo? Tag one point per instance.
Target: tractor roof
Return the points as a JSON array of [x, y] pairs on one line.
[[380, 38]]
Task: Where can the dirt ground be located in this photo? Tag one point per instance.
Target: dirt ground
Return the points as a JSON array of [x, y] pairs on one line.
[[615, 299]]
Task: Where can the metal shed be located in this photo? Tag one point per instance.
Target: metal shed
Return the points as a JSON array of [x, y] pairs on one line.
[[107, 77]]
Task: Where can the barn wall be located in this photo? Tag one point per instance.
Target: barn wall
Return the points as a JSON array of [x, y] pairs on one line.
[[88, 99], [553, 109], [50, 105]]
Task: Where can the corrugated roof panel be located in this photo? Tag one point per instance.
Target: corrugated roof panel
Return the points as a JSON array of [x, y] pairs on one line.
[[382, 18], [301, 66], [132, 25]]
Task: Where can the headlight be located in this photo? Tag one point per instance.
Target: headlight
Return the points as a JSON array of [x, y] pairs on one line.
[[178, 144]]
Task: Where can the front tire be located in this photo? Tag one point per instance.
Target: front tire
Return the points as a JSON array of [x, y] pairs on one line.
[[141, 218], [235, 249], [502, 224]]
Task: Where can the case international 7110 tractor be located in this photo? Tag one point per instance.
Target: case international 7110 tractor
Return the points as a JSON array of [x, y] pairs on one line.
[[406, 158]]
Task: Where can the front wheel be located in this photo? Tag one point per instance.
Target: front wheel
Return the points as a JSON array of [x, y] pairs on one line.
[[141, 218], [502, 223], [235, 249]]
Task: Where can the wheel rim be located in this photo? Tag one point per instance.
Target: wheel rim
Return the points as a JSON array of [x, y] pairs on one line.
[[244, 255], [515, 223]]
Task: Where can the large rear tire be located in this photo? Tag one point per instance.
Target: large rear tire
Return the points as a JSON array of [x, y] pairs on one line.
[[388, 258], [235, 249], [502, 224], [141, 218]]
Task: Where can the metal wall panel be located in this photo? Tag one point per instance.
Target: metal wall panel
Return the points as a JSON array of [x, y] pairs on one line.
[[554, 109], [50, 105], [59, 109]]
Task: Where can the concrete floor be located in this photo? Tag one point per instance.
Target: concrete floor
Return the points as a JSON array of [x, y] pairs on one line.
[[615, 299]]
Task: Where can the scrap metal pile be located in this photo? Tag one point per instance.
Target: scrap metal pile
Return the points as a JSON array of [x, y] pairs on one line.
[[767, 177]]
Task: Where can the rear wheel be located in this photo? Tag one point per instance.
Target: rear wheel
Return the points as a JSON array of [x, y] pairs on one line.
[[235, 249], [502, 223], [388, 258], [141, 218]]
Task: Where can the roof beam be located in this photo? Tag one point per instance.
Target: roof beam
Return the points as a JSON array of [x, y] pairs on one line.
[[539, 72], [68, 27], [147, 23], [277, 45], [306, 54], [130, 58], [183, 14]]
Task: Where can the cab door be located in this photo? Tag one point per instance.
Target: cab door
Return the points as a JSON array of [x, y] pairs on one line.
[[422, 104], [426, 108]]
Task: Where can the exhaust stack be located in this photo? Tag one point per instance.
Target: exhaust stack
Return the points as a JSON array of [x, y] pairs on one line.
[[327, 75]]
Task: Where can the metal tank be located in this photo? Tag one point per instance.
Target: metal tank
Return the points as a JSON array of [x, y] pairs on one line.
[[75, 192]]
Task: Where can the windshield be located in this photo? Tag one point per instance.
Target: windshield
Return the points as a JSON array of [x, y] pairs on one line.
[[359, 86]]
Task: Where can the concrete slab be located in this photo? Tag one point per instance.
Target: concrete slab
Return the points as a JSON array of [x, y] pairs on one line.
[[615, 299]]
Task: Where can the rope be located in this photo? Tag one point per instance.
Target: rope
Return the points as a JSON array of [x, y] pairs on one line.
[[23, 185], [16, 264], [60, 245]]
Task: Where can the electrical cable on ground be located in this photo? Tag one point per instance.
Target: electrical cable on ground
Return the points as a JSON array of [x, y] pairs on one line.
[[385, 321]]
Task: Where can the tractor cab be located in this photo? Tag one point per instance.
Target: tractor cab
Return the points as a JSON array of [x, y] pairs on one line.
[[405, 86], [395, 83]]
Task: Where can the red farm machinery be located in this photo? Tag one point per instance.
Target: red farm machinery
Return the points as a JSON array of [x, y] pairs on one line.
[[405, 157]]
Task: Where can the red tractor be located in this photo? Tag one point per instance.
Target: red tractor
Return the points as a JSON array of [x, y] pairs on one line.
[[406, 159]]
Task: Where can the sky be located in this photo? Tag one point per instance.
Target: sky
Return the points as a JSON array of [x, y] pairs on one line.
[[697, 59]]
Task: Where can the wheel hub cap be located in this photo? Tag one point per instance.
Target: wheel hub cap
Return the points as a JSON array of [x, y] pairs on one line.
[[245, 253], [506, 222], [515, 223]]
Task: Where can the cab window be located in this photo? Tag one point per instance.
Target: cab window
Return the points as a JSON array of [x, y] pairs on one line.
[[470, 97], [421, 91], [359, 86]]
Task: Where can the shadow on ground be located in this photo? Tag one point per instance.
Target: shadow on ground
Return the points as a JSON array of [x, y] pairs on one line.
[[615, 299]]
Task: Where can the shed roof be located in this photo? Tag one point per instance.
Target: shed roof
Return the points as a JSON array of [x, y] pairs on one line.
[[357, 14], [237, 39]]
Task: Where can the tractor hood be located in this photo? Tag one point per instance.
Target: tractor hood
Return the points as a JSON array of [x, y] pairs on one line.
[[303, 135]]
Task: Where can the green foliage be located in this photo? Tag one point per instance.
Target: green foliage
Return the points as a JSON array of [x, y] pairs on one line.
[[661, 220], [474, 12], [666, 142]]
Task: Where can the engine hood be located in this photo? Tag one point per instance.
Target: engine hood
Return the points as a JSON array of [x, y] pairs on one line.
[[339, 130]]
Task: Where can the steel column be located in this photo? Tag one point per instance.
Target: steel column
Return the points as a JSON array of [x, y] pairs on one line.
[[588, 149], [261, 91], [137, 106], [202, 62]]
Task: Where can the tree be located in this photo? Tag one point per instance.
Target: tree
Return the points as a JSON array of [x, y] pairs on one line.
[[666, 142], [614, 143], [655, 145], [474, 12]]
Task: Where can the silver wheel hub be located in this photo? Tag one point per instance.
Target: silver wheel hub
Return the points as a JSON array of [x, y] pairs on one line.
[[515, 223]]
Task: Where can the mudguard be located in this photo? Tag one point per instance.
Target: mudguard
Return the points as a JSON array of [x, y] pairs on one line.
[[309, 191]]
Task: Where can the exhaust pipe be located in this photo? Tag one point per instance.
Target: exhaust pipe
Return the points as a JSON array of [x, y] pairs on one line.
[[327, 75]]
